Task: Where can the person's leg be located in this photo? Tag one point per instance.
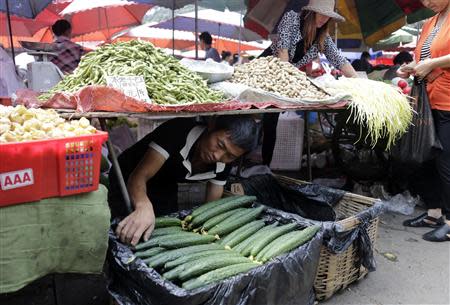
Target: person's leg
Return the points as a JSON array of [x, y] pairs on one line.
[[270, 122], [442, 122]]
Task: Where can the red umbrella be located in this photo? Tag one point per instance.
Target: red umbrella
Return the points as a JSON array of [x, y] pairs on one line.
[[94, 15], [25, 28]]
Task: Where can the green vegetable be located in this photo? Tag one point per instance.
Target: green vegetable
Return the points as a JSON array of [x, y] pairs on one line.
[[286, 243], [164, 257], [150, 252], [244, 247], [202, 266], [219, 218], [270, 236], [207, 206], [197, 255], [184, 241], [229, 225], [166, 80], [163, 222], [242, 233], [154, 241], [218, 275], [165, 231], [216, 210]]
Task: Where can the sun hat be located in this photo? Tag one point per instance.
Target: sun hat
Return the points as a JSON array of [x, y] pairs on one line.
[[324, 7]]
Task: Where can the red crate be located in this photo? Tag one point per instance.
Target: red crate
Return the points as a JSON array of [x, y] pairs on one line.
[[30, 171]]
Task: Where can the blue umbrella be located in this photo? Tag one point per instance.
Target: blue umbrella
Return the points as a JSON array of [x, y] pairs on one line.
[[22, 8]]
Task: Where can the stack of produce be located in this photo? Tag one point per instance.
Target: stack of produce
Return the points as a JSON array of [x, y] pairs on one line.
[[167, 81], [276, 76], [385, 110], [218, 240], [18, 124]]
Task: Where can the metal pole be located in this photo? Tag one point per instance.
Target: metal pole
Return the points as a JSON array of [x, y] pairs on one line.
[[116, 168], [308, 146], [196, 28], [240, 29], [8, 15], [173, 27]]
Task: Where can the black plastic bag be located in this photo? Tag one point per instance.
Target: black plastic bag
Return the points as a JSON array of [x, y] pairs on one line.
[[287, 279], [420, 143], [310, 201]]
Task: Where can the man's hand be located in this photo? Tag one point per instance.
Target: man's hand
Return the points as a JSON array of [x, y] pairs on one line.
[[141, 221]]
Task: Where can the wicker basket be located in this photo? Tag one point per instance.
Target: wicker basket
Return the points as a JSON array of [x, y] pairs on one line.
[[337, 271]]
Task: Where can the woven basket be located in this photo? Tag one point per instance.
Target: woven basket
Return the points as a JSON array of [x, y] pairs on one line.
[[337, 271]]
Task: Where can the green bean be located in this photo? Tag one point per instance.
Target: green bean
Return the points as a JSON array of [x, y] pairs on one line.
[[167, 81]]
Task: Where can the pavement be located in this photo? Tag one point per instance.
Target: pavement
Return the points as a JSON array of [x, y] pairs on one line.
[[409, 269]]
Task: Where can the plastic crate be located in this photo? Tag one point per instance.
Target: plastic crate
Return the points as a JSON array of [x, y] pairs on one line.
[[287, 154], [30, 171]]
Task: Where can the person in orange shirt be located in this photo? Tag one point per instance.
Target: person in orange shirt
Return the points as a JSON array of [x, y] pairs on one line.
[[432, 55]]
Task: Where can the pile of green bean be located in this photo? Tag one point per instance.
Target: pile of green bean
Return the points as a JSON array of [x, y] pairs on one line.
[[167, 81]]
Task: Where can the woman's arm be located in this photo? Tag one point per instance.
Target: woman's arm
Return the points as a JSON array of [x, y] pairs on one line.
[[283, 55], [213, 191], [336, 58], [348, 70], [142, 219], [287, 25], [405, 70], [424, 67]]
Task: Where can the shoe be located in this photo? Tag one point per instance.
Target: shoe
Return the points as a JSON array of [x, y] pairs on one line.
[[439, 234], [419, 221]]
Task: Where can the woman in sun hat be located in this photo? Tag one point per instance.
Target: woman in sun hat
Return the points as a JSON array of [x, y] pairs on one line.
[[300, 38]]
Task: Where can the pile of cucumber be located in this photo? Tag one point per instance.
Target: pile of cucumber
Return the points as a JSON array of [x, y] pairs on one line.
[[217, 240]]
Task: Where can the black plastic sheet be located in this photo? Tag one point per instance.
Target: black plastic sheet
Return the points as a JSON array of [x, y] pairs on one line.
[[310, 201], [287, 279]]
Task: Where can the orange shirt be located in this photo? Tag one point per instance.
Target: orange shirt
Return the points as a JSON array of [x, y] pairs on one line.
[[439, 89]]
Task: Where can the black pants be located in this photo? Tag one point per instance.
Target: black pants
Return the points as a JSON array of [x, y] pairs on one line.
[[442, 124], [270, 122]]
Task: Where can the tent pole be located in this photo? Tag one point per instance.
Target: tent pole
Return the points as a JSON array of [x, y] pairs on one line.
[[10, 33], [173, 27], [196, 28], [240, 30]]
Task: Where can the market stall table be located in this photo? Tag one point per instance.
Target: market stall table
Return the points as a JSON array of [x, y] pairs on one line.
[[165, 115]]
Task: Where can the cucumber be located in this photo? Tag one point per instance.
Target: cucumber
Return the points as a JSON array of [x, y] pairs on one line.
[[286, 243], [244, 246], [219, 218], [229, 225], [197, 255], [185, 241], [222, 208], [270, 236], [203, 265], [160, 259], [150, 252], [166, 230], [218, 275], [153, 242], [174, 274], [163, 222], [242, 233], [211, 204]]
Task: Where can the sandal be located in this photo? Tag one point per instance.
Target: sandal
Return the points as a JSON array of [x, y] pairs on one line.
[[440, 234], [419, 221]]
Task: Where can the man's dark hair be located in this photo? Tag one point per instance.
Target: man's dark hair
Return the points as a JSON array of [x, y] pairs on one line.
[[243, 130], [403, 58], [206, 37], [225, 54], [60, 27], [365, 55]]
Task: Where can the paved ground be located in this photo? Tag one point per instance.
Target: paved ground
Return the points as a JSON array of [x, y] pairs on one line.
[[420, 273]]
